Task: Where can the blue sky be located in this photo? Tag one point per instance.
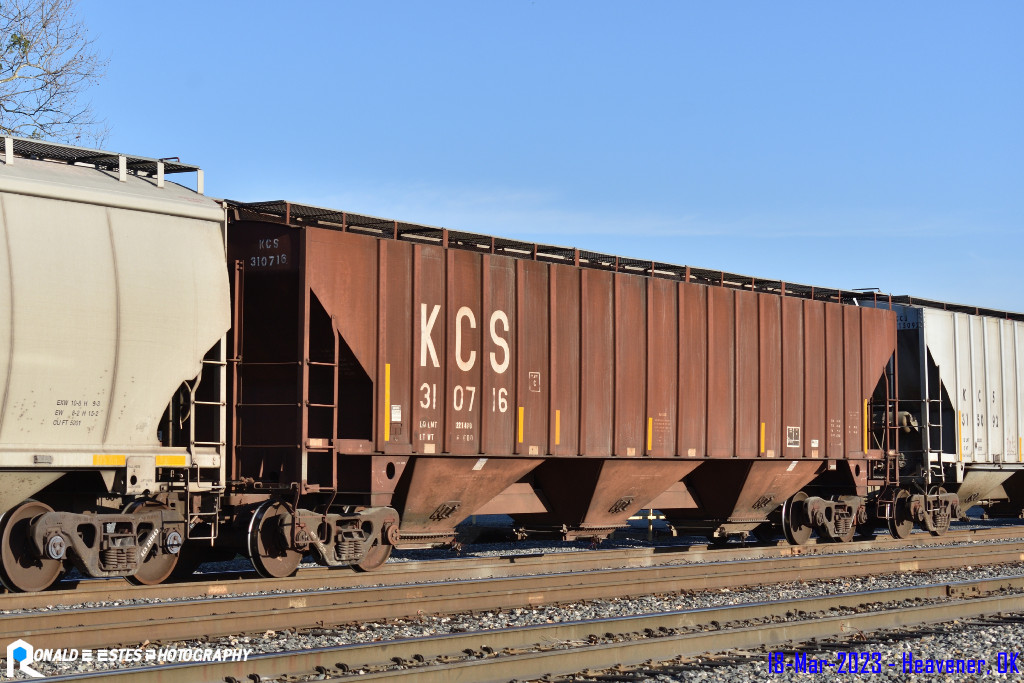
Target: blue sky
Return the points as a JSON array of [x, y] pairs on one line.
[[834, 144]]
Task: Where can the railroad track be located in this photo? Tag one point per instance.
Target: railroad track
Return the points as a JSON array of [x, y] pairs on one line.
[[236, 583], [183, 619], [565, 648]]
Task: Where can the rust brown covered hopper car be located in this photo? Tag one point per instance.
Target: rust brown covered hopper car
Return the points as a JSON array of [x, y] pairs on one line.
[[445, 374]]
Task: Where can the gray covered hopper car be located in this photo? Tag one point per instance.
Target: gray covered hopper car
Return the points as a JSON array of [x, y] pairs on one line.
[[113, 292]]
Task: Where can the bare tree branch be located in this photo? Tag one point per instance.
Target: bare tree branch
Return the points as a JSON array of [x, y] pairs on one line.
[[47, 62]]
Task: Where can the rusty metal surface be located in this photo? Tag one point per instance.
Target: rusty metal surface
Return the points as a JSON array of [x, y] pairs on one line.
[[768, 484], [467, 353], [737, 490], [564, 414], [835, 446], [519, 498], [879, 326], [429, 349], [792, 435], [747, 426], [662, 367], [342, 272], [852, 395], [721, 368], [395, 352], [770, 364], [693, 372], [499, 415], [630, 365], [815, 353], [597, 345], [532, 348], [600, 493], [436, 493], [464, 318]]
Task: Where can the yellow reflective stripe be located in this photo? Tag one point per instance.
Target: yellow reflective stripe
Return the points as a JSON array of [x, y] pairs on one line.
[[558, 428], [387, 402], [171, 461], [865, 425], [650, 431], [520, 424], [762, 437], [108, 460]]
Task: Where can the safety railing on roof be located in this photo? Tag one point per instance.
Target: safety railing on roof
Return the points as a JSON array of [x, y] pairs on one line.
[[122, 164], [303, 215]]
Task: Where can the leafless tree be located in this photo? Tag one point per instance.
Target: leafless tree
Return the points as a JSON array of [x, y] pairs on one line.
[[47, 63]]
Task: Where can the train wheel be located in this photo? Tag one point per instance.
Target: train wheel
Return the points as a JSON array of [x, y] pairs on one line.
[[20, 568], [794, 523], [269, 544], [901, 524], [937, 520], [375, 558], [163, 555]]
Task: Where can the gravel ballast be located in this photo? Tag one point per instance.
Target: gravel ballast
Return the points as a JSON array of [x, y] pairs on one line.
[[273, 641]]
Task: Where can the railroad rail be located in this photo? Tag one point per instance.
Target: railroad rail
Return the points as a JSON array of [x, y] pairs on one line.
[[183, 619], [536, 651], [395, 573]]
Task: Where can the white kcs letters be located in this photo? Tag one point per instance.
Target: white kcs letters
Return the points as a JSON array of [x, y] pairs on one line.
[[464, 319]]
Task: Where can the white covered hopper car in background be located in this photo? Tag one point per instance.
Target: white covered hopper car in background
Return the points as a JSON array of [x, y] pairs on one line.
[[961, 386]]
